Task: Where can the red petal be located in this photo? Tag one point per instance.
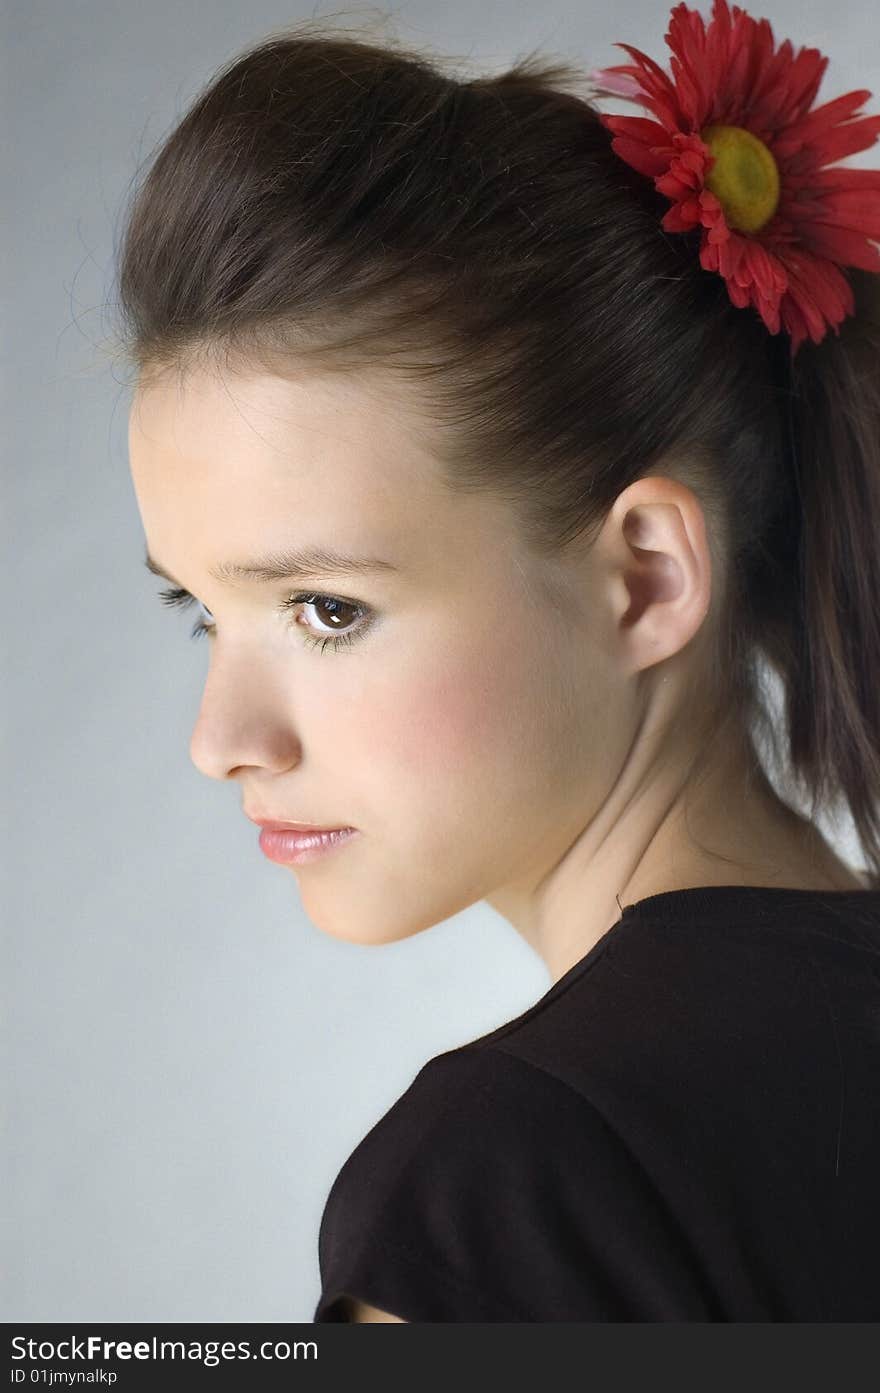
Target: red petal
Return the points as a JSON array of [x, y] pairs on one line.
[[691, 65], [687, 33], [761, 58], [673, 187], [843, 178], [736, 87], [794, 323], [660, 95], [690, 99], [841, 141], [730, 254], [771, 95], [693, 161], [648, 64], [815, 322], [839, 244], [639, 156], [855, 209], [686, 184], [770, 316], [714, 220], [804, 79], [738, 294], [692, 211], [767, 271], [836, 297], [827, 285], [648, 132], [831, 114], [708, 257], [716, 42], [819, 291], [672, 221]]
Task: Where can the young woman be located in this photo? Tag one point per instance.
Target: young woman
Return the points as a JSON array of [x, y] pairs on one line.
[[504, 448]]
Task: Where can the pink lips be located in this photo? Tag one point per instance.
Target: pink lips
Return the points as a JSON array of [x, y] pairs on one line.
[[295, 848], [280, 824]]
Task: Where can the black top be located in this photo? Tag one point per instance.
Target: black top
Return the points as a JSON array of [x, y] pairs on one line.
[[685, 1127]]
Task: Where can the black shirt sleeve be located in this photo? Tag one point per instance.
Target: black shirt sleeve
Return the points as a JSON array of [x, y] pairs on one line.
[[493, 1191]]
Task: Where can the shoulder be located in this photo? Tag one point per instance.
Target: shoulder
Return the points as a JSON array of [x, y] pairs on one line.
[[475, 1099], [493, 1190]]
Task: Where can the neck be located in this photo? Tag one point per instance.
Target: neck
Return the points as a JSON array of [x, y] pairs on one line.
[[660, 828]]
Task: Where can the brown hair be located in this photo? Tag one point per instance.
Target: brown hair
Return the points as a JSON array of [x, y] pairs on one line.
[[332, 200]]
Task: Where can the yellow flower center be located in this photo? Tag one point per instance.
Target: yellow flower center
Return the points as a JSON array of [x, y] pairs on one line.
[[744, 177]]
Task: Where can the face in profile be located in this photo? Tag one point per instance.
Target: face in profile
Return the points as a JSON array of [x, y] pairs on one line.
[[452, 701]]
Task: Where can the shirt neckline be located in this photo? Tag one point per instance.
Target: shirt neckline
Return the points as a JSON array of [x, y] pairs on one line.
[[719, 905], [726, 901], [724, 906]]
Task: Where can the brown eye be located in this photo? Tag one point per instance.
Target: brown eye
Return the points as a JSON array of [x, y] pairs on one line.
[[337, 615], [334, 620]]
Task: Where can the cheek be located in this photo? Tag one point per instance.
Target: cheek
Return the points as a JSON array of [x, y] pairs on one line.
[[460, 710]]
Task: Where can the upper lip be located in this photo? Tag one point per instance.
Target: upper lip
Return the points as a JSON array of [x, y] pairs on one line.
[[276, 824]]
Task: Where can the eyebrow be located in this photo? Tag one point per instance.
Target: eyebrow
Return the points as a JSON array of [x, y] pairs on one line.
[[300, 563]]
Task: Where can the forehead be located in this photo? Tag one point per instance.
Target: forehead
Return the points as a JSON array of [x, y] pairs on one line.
[[330, 451], [235, 465], [217, 427]]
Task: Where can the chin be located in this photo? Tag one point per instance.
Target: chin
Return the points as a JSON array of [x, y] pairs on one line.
[[362, 934], [356, 927]]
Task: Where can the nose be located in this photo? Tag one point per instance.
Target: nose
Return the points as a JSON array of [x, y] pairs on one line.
[[243, 721]]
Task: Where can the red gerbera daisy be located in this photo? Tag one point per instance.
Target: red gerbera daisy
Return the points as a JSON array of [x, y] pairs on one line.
[[737, 149]]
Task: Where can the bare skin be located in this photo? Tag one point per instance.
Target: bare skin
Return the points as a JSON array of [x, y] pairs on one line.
[[510, 729], [358, 1312]]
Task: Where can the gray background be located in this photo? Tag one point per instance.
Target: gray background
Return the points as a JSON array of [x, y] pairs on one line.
[[189, 1060]]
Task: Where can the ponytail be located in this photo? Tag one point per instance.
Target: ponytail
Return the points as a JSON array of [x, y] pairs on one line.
[[822, 632]]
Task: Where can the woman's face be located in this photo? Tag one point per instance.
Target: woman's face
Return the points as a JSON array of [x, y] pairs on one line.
[[473, 718]]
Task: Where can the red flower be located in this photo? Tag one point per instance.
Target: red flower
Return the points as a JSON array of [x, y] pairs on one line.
[[738, 150]]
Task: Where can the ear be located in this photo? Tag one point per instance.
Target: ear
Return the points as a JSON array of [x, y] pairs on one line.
[[654, 551]]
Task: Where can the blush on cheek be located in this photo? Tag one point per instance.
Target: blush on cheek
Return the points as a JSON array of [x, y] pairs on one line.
[[450, 718]]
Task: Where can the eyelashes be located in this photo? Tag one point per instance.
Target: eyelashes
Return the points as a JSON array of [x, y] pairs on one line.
[[182, 599]]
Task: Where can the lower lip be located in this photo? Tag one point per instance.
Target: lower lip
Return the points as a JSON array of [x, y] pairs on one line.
[[298, 848]]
